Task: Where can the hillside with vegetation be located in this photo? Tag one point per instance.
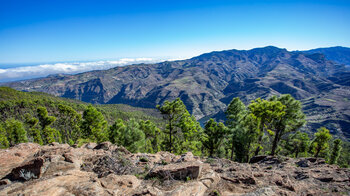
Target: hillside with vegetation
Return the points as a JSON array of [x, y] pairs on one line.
[[207, 83], [264, 127], [35, 110]]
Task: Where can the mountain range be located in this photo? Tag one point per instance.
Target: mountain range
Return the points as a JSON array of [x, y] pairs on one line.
[[320, 78]]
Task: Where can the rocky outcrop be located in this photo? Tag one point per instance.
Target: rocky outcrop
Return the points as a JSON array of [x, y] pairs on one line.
[[107, 169]]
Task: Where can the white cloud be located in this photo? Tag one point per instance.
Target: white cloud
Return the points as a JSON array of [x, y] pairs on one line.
[[20, 73]]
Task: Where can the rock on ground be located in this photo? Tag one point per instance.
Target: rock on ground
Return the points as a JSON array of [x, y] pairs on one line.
[[107, 169]]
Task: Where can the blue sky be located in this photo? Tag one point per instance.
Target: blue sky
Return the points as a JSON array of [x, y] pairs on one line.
[[83, 30]]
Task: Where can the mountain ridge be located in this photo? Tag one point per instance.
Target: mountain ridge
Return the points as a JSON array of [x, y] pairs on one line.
[[208, 82], [338, 54]]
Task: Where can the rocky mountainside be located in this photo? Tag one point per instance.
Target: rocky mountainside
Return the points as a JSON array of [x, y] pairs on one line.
[[337, 54], [106, 169], [208, 82]]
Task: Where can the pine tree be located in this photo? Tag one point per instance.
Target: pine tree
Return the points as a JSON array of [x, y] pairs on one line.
[[4, 143], [183, 131], [69, 123], [15, 132], [50, 134], [128, 134], [245, 138], [172, 112], [191, 134], [298, 143], [116, 132], [134, 138], [335, 151], [268, 112], [214, 134], [34, 132], [249, 140], [320, 143], [290, 119], [153, 136], [94, 125], [235, 113]]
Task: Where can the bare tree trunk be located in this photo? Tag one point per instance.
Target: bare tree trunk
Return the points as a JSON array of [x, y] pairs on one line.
[[258, 148], [275, 142], [232, 147], [317, 152]]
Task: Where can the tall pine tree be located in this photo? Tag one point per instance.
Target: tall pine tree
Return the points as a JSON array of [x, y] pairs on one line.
[[15, 132], [34, 131], [289, 120], [320, 143], [153, 136], [268, 112], [335, 151], [69, 123], [50, 134], [182, 130], [214, 134], [4, 143], [94, 126]]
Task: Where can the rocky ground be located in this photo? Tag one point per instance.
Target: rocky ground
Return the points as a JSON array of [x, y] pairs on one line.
[[105, 169]]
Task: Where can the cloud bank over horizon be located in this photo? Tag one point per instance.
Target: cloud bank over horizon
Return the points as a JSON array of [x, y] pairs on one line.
[[43, 70]]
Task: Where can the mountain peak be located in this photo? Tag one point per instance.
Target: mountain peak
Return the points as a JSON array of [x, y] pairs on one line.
[[269, 50]]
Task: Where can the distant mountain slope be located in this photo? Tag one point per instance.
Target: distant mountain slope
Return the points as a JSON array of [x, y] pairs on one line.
[[337, 54], [208, 82]]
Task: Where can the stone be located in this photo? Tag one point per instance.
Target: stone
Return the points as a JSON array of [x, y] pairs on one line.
[[300, 175], [241, 179], [247, 179], [74, 183], [179, 171], [62, 170], [59, 167], [311, 159], [303, 163], [167, 157], [192, 188], [257, 159], [5, 182], [284, 183], [325, 179], [29, 170], [15, 156], [104, 146], [187, 157], [124, 184], [69, 157], [266, 191], [89, 145], [321, 161], [210, 179], [54, 144]]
